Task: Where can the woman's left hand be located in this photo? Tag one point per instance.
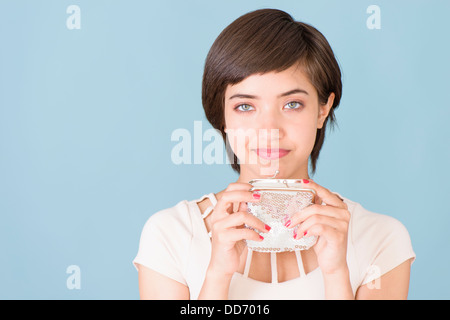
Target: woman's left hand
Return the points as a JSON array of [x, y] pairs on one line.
[[330, 223]]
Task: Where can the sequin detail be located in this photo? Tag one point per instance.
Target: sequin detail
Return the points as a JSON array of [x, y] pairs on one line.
[[274, 209]]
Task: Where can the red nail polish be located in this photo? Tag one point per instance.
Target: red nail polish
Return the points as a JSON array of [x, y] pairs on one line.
[[267, 227], [288, 223], [256, 196], [295, 234], [305, 181], [261, 237], [304, 233]]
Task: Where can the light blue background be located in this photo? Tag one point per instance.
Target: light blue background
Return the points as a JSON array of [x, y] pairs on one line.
[[86, 118]]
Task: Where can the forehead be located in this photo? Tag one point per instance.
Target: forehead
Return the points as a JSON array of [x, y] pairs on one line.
[[272, 84]]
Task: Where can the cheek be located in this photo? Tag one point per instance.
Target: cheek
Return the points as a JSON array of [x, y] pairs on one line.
[[303, 137], [304, 132], [240, 134], [232, 121], [239, 139]]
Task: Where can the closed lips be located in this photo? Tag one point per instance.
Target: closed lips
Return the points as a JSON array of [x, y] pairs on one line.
[[272, 153]]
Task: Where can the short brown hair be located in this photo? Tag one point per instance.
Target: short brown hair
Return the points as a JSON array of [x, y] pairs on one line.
[[263, 41]]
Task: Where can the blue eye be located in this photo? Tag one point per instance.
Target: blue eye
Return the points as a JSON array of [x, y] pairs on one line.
[[294, 105], [245, 107]]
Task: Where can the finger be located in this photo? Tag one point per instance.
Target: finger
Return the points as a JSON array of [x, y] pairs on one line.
[[315, 209], [225, 204], [234, 235], [238, 186], [229, 198], [324, 194], [244, 218], [336, 225], [330, 234], [243, 207]]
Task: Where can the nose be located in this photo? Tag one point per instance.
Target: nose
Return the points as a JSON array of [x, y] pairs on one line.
[[270, 126], [270, 117]]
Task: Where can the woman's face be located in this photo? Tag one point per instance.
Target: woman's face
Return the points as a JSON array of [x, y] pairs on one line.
[[271, 122]]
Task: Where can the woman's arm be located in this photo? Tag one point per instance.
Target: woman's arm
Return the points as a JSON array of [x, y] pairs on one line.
[[155, 286], [228, 235], [338, 286], [330, 224], [215, 287], [393, 285]]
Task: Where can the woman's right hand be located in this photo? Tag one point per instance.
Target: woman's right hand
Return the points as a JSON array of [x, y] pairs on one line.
[[228, 228]]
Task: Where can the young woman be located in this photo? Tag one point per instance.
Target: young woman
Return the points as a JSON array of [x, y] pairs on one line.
[[279, 77]]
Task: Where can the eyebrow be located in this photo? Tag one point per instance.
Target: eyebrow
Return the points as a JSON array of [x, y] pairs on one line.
[[248, 96]]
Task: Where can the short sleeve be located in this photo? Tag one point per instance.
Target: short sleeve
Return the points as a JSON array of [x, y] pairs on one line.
[[162, 246], [388, 245]]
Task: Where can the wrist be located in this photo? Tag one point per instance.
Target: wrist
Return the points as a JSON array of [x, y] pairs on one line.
[[336, 273], [337, 284], [218, 275], [215, 285]]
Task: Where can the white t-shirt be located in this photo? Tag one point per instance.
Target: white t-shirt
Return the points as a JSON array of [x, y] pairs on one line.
[[175, 243]]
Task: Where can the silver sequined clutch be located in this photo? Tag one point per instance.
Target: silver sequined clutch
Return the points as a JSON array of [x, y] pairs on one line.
[[280, 199]]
